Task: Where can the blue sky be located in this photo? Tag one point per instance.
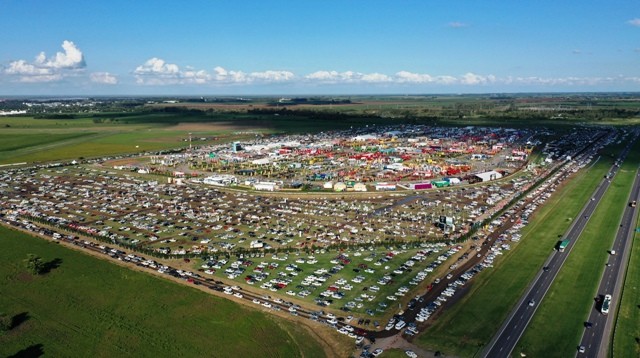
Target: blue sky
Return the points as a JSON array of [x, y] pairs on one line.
[[73, 47]]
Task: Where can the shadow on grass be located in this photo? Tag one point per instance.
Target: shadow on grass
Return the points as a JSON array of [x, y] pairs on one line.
[[51, 265], [35, 350], [19, 319]]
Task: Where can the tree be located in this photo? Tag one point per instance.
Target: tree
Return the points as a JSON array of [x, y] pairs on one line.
[[34, 264], [5, 322]]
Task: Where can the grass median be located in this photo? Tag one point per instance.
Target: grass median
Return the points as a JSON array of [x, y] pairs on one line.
[[626, 338], [470, 324], [571, 297]]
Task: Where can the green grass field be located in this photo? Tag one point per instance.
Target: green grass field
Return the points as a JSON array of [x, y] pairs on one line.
[[571, 297], [470, 324], [89, 307], [393, 353], [626, 337], [28, 139]]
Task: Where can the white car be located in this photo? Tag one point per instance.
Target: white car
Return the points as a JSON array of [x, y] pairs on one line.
[[411, 354]]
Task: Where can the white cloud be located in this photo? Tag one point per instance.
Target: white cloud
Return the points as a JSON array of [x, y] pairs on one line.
[[103, 78], [468, 79], [156, 71], [375, 78], [272, 76], [27, 72], [446, 80], [330, 77], [409, 77], [457, 24], [224, 76], [401, 77], [47, 70], [474, 79], [157, 66], [71, 58], [634, 22]]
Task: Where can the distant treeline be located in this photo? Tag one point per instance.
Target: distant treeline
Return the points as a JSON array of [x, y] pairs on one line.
[[55, 116]]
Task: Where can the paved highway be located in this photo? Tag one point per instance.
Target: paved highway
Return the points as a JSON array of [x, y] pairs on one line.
[[514, 326], [598, 327]]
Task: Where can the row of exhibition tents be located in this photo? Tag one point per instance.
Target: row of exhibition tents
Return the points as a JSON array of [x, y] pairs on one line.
[[224, 180]]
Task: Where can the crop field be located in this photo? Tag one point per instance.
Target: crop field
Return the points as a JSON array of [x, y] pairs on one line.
[[88, 307], [467, 327], [26, 139]]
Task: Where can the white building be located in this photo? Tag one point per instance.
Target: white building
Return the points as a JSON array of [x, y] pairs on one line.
[[490, 175], [220, 180], [340, 186], [385, 186], [359, 187], [266, 186], [364, 137]]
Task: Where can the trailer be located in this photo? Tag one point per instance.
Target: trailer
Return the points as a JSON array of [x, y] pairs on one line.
[[563, 245], [440, 183], [420, 186]]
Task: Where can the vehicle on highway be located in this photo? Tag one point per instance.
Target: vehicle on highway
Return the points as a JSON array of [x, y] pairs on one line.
[[581, 349], [613, 252], [563, 245], [532, 303], [633, 204], [605, 304]]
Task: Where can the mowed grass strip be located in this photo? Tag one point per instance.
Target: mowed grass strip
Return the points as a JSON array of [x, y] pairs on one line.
[[89, 307], [470, 324], [13, 141], [570, 299], [626, 337]]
